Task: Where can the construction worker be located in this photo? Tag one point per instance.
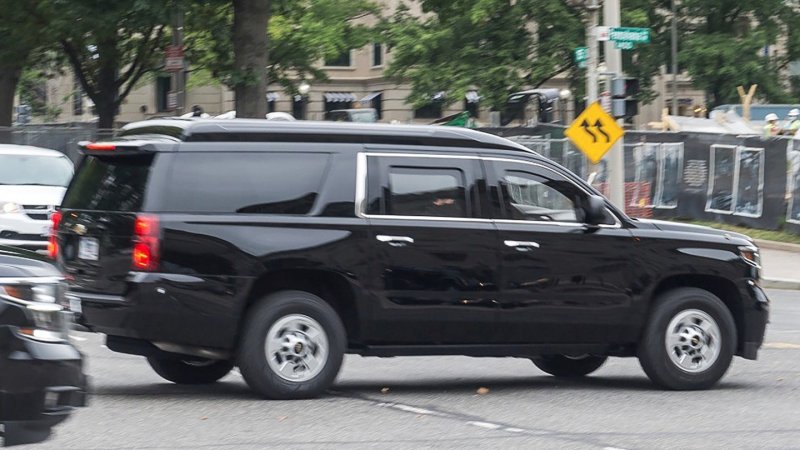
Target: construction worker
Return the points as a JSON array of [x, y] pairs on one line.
[[771, 128], [792, 123]]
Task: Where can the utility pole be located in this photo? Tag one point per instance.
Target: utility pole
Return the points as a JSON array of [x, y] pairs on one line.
[[674, 60], [616, 156], [178, 77], [591, 43]]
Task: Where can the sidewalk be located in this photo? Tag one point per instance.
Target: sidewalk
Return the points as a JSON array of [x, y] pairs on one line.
[[780, 264]]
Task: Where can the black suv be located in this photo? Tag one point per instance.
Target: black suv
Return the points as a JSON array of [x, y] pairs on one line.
[[41, 377], [278, 246]]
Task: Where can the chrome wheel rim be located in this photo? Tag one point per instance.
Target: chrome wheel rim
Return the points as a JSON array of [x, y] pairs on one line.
[[296, 348], [693, 341]]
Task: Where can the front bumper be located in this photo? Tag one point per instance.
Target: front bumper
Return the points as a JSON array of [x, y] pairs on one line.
[[40, 385], [752, 323], [19, 230]]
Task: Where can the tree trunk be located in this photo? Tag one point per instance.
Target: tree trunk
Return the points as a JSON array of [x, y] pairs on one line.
[[9, 77], [250, 21]]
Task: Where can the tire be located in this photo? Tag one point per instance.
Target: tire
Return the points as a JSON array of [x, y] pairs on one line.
[[298, 333], [190, 371], [701, 333], [563, 366]]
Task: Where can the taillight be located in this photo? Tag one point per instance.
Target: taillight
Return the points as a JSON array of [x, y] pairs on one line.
[[52, 243], [146, 243]]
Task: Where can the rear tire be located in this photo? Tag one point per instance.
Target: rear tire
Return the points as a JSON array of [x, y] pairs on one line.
[[563, 366], [190, 371], [689, 341], [292, 346]]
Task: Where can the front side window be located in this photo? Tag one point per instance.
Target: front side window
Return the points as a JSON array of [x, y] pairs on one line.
[[528, 196], [427, 192]]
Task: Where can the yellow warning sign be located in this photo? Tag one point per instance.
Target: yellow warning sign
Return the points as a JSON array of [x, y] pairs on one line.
[[594, 132]]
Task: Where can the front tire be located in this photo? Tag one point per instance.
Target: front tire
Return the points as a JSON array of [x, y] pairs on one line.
[[564, 366], [190, 371], [292, 346], [689, 341]]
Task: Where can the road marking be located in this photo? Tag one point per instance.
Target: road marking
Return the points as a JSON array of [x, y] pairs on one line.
[[487, 425], [782, 345]]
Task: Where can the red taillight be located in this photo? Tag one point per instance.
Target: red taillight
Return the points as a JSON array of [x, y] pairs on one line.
[[52, 244], [146, 243], [100, 146]]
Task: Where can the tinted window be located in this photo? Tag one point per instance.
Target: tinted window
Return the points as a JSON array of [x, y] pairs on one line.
[[35, 170], [436, 192], [247, 183], [533, 197], [109, 184]]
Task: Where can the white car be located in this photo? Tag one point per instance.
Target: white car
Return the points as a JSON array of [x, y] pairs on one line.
[[32, 184]]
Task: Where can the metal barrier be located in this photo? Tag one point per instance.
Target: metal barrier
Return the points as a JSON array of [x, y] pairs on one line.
[[62, 138]]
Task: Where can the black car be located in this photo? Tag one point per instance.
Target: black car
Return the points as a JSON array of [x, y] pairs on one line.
[[41, 378], [278, 246]]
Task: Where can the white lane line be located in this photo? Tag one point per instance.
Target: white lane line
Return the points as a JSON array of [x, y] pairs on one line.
[[613, 448], [487, 425], [408, 408], [782, 345]]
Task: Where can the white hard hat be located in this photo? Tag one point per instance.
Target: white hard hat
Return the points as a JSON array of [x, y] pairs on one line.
[[771, 116], [794, 112]]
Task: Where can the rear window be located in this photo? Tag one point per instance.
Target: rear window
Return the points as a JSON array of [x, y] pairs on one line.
[[245, 183], [109, 184]]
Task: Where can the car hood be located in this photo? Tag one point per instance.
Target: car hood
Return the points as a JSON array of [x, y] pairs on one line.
[[32, 195], [691, 228], [22, 263]]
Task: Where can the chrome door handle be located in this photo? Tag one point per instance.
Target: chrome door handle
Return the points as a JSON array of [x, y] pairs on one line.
[[395, 241], [521, 245]]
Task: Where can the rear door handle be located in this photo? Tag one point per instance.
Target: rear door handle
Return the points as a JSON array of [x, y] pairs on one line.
[[395, 241], [522, 246]]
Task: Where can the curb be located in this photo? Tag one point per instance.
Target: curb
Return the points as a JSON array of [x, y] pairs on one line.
[[773, 245], [775, 283]]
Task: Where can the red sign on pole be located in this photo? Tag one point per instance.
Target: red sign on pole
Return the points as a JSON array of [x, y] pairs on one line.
[[173, 58]]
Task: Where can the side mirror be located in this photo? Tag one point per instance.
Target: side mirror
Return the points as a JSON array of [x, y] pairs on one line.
[[595, 210]]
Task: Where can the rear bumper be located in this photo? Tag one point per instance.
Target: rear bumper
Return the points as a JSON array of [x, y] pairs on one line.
[[166, 308], [40, 386]]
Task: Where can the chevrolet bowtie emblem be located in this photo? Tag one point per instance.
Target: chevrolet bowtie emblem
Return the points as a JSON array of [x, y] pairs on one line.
[[79, 229]]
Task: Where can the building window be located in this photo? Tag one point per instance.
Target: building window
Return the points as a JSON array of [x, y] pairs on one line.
[[338, 100], [77, 98], [163, 87], [472, 103], [299, 103], [433, 109], [272, 100], [343, 60], [373, 100], [377, 55]]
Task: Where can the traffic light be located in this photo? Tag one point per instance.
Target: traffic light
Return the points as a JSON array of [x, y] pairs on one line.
[[624, 92]]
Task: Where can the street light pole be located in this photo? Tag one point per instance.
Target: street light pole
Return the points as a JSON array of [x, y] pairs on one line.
[[674, 60], [616, 156], [593, 6]]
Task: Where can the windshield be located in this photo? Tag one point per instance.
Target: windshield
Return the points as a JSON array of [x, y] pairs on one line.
[[367, 116], [35, 170]]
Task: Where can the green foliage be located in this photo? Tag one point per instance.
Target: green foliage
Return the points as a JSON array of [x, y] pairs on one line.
[[489, 45], [301, 34]]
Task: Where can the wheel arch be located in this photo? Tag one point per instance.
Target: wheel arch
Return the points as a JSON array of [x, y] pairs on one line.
[[721, 287]]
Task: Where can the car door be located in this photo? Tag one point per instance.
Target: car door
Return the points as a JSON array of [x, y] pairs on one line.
[[434, 253], [562, 281]]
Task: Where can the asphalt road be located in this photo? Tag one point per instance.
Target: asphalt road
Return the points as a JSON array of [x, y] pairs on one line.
[[430, 402]]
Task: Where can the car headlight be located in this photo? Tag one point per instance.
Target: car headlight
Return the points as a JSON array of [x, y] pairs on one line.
[[750, 255], [10, 208], [43, 300]]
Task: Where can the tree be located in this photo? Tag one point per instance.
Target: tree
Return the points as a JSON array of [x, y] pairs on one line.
[[250, 54], [19, 46], [495, 46], [109, 45], [299, 34]]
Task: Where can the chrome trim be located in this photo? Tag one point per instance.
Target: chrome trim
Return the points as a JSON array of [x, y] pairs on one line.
[[30, 280], [516, 244], [361, 190], [396, 239]]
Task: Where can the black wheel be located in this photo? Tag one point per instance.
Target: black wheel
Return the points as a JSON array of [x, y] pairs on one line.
[[569, 366], [689, 340], [292, 346], [190, 371]]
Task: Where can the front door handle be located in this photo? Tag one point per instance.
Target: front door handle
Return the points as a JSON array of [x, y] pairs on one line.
[[522, 246], [395, 241]]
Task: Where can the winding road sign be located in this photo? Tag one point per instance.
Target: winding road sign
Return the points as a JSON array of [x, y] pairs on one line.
[[594, 132]]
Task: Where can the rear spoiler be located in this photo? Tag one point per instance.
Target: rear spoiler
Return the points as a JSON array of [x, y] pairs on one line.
[[119, 148]]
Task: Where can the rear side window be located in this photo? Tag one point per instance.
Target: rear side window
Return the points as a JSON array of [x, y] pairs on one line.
[[438, 192], [109, 184], [245, 183]]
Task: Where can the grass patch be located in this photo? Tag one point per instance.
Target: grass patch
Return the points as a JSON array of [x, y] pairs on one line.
[[767, 235]]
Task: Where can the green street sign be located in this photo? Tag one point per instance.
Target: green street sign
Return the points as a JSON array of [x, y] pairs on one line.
[[635, 35], [581, 55], [623, 45]]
